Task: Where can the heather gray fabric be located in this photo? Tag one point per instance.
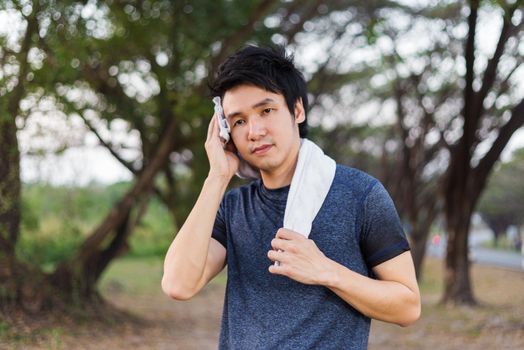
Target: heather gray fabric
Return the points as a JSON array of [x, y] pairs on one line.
[[357, 226]]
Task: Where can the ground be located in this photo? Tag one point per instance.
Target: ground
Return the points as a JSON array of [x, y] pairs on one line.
[[156, 322]]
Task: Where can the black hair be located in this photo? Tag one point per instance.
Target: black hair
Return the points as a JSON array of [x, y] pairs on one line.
[[268, 68]]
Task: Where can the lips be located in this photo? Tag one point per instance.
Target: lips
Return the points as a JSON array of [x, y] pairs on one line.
[[262, 149]]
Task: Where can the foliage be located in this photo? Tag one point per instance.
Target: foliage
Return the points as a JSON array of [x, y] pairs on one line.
[[154, 233], [146, 63], [502, 203], [66, 215]]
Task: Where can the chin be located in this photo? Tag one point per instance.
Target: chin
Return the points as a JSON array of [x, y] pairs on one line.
[[267, 165]]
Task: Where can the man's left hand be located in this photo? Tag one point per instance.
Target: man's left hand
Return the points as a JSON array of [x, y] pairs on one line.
[[299, 257]]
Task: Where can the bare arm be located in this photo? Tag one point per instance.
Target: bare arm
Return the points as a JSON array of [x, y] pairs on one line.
[[394, 297], [194, 258]]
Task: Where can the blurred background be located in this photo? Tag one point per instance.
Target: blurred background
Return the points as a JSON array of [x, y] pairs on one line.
[[104, 109]]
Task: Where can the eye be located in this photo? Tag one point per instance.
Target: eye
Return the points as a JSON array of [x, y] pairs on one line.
[[267, 110], [238, 122]]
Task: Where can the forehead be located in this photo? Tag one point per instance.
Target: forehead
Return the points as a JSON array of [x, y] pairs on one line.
[[244, 97]]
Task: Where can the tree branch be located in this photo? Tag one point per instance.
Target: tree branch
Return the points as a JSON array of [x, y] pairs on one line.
[[490, 74], [307, 15], [23, 59], [233, 42], [504, 86], [469, 55], [482, 170], [108, 146]]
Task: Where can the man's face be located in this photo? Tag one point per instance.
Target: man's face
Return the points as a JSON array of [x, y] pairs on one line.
[[262, 128]]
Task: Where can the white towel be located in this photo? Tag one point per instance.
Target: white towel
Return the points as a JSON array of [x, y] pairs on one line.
[[310, 185]]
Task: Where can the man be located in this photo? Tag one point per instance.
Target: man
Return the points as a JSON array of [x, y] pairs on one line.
[[355, 264]]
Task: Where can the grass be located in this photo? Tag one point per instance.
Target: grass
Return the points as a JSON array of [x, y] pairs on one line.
[[503, 243], [46, 337], [139, 276], [133, 275]]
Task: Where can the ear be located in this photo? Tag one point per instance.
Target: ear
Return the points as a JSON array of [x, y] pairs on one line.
[[300, 114]]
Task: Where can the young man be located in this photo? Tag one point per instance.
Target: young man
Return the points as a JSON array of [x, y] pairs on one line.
[[355, 264]]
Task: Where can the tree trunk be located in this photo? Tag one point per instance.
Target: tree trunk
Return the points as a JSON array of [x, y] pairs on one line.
[[9, 207], [458, 289], [9, 184], [496, 238], [462, 189], [421, 221], [459, 200], [418, 250], [77, 277]]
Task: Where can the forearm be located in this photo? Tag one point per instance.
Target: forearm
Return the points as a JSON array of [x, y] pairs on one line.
[[383, 300], [185, 260]]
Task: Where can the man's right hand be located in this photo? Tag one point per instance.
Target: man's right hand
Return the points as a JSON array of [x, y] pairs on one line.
[[222, 162]]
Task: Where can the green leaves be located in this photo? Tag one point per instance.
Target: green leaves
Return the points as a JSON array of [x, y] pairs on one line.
[[503, 201]]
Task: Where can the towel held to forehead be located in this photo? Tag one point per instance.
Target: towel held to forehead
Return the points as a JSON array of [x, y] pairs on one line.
[[245, 170]]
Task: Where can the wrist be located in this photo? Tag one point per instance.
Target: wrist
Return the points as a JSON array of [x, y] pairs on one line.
[[330, 274], [218, 179]]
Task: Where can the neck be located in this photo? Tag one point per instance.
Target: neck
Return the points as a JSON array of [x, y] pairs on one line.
[[284, 174]]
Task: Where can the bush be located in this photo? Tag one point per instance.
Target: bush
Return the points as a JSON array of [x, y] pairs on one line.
[[56, 220]]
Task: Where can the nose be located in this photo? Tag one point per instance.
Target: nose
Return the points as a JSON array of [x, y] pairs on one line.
[[257, 129]]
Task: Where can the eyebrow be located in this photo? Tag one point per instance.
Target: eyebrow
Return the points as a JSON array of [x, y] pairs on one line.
[[256, 105]]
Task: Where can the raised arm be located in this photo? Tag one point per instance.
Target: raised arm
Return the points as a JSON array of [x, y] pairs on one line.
[[194, 258]]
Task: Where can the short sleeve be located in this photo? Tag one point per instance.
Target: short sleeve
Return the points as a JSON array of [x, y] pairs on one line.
[[382, 236], [219, 228]]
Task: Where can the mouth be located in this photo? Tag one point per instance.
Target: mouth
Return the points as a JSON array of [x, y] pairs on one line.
[[261, 149]]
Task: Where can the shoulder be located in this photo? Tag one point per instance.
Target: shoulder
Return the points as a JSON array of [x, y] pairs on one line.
[[353, 180], [238, 195]]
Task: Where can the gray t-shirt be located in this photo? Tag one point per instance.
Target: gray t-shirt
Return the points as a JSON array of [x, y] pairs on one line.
[[357, 226]]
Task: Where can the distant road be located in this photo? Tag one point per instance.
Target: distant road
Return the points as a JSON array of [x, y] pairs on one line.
[[500, 258], [479, 254]]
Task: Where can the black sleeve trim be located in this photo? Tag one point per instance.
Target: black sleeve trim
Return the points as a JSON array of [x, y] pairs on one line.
[[220, 239], [388, 253]]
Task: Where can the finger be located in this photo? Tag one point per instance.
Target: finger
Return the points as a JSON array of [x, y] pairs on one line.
[[230, 146], [282, 244], [211, 127], [280, 256], [284, 233], [278, 270]]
